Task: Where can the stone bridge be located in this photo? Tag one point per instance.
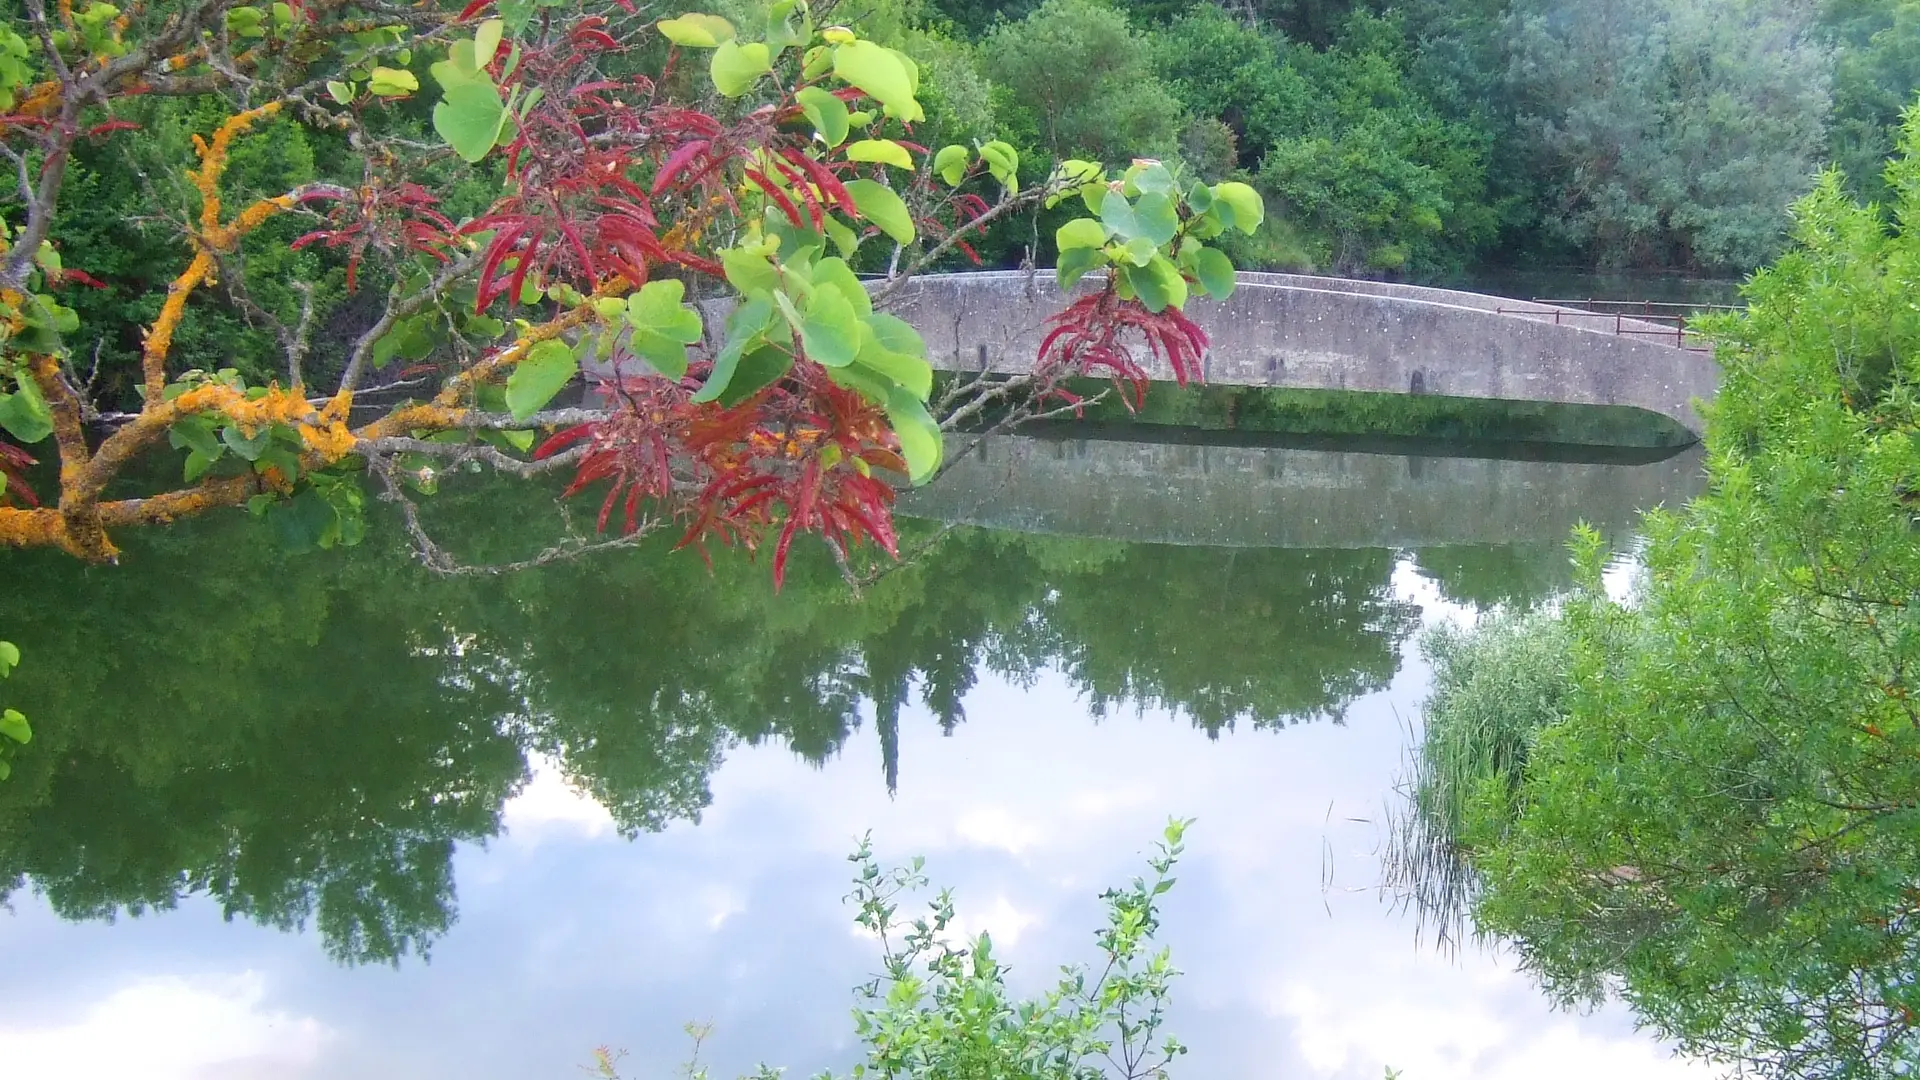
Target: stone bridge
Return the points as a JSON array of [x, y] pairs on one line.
[[1313, 333]]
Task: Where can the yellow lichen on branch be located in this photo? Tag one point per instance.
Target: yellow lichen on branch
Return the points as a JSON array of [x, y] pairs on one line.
[[214, 238]]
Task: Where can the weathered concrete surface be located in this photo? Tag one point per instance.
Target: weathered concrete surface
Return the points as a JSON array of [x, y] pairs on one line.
[[1239, 496], [1329, 334]]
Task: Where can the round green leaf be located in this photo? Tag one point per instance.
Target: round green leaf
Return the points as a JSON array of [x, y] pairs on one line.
[[1215, 272], [1079, 233], [1117, 215], [1158, 284], [657, 308], [748, 270], [486, 41], [878, 204], [827, 114], [9, 656], [1003, 161], [1075, 263], [696, 31], [1155, 216], [880, 73], [737, 67], [951, 163], [911, 373], [918, 433], [757, 369], [897, 335], [1247, 207], [470, 117], [837, 275], [24, 414], [392, 82], [831, 329], [546, 369], [885, 151]]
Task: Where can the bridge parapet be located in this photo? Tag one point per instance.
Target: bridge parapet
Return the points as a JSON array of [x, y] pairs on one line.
[[1293, 331]]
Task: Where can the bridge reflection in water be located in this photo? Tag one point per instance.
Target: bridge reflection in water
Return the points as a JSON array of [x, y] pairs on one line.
[[1331, 494]]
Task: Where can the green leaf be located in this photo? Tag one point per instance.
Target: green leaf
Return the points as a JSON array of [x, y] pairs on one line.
[[951, 163], [737, 67], [749, 271], [897, 335], [470, 117], [878, 204], [278, 457], [1003, 161], [24, 414], [662, 353], [1199, 198], [918, 433], [658, 308], [486, 41], [1245, 203], [249, 449], [13, 724], [1155, 217], [198, 462], [757, 369], [696, 31], [880, 73], [837, 275], [831, 330], [546, 369], [1140, 251], [1151, 177], [340, 92], [845, 240], [392, 82], [1079, 233], [9, 657], [1214, 271], [911, 372], [884, 151], [1158, 284], [746, 330], [1075, 263], [1117, 215], [827, 114]]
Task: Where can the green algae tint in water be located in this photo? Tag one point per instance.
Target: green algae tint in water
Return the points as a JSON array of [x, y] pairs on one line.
[[331, 816]]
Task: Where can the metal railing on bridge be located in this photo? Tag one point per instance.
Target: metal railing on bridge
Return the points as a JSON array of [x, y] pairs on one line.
[[1668, 320]]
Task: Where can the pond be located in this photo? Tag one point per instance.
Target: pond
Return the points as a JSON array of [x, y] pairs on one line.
[[367, 822]]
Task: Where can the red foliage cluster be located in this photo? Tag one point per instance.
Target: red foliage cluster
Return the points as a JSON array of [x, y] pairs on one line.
[[1090, 338], [14, 463], [801, 453], [402, 215]]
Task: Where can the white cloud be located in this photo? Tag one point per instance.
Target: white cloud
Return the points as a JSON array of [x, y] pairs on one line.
[[549, 805], [169, 1028]]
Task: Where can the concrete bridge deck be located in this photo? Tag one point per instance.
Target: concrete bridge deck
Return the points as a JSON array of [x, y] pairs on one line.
[[1295, 331]]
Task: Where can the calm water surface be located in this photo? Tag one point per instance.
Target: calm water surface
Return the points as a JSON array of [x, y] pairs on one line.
[[368, 823]]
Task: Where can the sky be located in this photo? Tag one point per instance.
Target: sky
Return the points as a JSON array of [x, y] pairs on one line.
[[571, 937]]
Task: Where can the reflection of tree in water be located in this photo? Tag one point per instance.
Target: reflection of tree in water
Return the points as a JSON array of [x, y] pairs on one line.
[[1487, 575], [312, 751]]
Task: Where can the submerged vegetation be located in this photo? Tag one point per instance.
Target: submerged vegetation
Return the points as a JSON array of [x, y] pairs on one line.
[[1706, 798]]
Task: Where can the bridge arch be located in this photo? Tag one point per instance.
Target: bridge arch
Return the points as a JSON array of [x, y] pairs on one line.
[[1298, 332]]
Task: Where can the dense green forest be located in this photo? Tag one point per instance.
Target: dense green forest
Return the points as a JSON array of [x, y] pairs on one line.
[[1422, 139]]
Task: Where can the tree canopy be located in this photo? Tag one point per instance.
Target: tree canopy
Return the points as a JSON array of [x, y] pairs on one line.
[[1706, 797]]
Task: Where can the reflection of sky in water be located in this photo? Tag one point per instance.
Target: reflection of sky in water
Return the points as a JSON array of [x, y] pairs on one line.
[[570, 937]]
